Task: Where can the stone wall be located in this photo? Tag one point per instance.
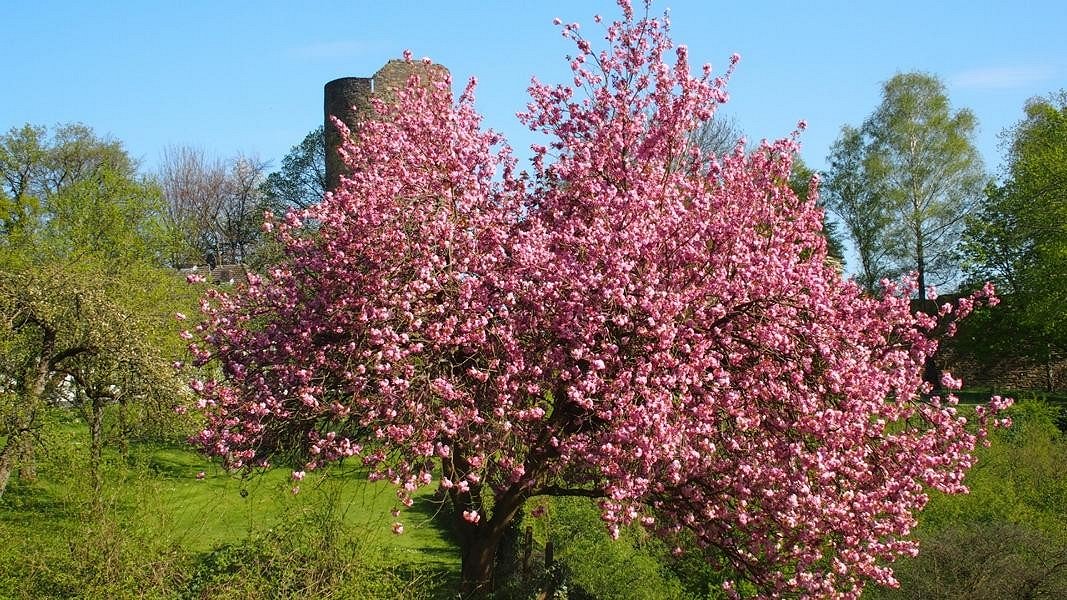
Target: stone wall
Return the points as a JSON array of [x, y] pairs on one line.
[[1006, 372]]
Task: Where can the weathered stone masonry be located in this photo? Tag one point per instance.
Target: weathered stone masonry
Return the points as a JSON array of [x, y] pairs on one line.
[[348, 99]]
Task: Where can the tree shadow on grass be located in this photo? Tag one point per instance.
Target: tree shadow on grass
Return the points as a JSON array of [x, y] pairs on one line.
[[23, 503], [436, 512]]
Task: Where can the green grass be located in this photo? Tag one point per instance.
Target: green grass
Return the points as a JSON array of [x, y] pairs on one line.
[[223, 507], [159, 531]]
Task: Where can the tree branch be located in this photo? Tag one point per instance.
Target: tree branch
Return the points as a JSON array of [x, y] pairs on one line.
[[68, 353], [555, 490]]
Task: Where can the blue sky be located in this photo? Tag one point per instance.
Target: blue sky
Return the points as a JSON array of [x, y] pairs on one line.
[[247, 77]]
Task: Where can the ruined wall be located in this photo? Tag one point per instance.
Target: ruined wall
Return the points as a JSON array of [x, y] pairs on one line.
[[1005, 372], [348, 99], [975, 356]]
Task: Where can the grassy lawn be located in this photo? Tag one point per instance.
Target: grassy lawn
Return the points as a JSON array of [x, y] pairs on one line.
[[222, 507], [219, 536]]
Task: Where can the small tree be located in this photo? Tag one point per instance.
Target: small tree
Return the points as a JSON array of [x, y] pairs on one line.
[[59, 326], [628, 323], [80, 291]]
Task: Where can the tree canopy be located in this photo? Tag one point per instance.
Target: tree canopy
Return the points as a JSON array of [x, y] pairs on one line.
[[1018, 236], [631, 321], [904, 182]]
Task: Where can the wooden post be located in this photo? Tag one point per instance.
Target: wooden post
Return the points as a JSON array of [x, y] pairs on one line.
[[527, 549]]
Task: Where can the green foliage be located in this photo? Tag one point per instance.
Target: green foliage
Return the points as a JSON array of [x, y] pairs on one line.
[[75, 198], [1008, 537], [34, 166], [301, 181], [108, 216], [637, 565], [312, 557], [1018, 238], [904, 182], [984, 561]]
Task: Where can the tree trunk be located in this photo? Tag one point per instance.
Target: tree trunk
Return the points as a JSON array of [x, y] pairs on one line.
[[96, 443], [931, 373], [920, 265], [479, 542], [1050, 381], [479, 556], [19, 434], [27, 459], [124, 429], [7, 460]]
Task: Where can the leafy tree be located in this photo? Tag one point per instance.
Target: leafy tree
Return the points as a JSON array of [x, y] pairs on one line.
[[21, 155], [35, 166], [661, 334], [904, 182], [928, 171], [1018, 236], [301, 181], [109, 217], [66, 337], [81, 296], [848, 194]]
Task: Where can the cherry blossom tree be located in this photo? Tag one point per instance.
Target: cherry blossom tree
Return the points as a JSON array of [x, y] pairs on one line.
[[630, 321]]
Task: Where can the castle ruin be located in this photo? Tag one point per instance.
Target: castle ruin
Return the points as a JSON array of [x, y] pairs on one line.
[[348, 99]]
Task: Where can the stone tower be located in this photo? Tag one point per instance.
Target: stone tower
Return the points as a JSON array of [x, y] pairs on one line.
[[348, 99]]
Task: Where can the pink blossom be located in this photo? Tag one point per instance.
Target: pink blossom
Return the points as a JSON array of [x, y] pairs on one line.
[[950, 382], [631, 319]]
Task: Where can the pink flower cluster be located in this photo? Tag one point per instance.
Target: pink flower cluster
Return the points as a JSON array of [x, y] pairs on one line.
[[633, 320]]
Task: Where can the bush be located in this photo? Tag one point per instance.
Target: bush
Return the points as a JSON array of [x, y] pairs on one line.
[[1008, 537], [592, 565], [311, 558]]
